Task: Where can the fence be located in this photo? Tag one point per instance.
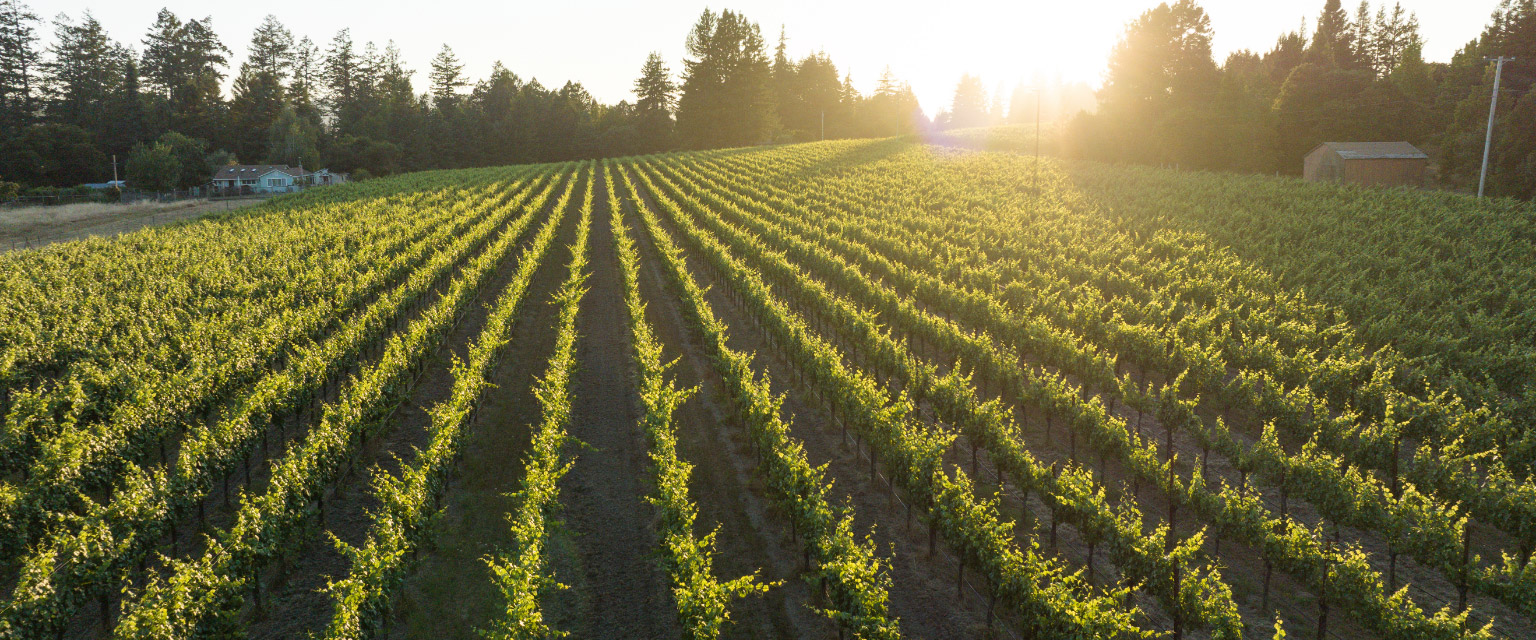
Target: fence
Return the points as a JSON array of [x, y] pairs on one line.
[[54, 200], [129, 196]]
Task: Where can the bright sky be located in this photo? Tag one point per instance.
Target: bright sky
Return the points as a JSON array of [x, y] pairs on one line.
[[602, 43]]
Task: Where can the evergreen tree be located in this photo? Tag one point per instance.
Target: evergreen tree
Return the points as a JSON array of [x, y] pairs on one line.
[[655, 97], [258, 94], [367, 80], [126, 123], [1413, 78], [892, 110], [340, 71], [816, 93], [256, 102], [1155, 103], [1466, 91], [1391, 37], [306, 80], [84, 71], [401, 116], [493, 100], [997, 112], [53, 154], [968, 108], [447, 76], [784, 80], [1362, 36], [727, 96], [1289, 52], [181, 65], [18, 64], [162, 54], [1333, 42], [197, 106], [272, 49]]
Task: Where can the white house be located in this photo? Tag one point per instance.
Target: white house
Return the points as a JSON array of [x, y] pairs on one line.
[[271, 178]]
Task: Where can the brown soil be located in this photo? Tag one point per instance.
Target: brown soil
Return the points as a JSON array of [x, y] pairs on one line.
[[923, 594], [605, 546], [608, 544], [749, 536], [344, 503], [1243, 567], [449, 594], [297, 603]]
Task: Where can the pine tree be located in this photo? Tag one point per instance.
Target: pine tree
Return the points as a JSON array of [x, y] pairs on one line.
[[998, 111], [1362, 37], [305, 81], [654, 90], [84, 70], [968, 108], [393, 79], [162, 54], [1021, 104], [817, 93], [892, 110], [197, 105], [127, 125], [367, 78], [18, 64], [447, 77], [339, 70], [182, 65], [1391, 36], [255, 103], [1333, 42], [272, 49], [886, 84], [785, 77], [727, 95], [258, 95]]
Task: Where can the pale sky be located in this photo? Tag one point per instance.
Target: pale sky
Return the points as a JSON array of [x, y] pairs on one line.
[[602, 43]]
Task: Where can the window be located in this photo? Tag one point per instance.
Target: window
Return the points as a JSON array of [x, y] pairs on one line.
[[252, 181], [274, 182]]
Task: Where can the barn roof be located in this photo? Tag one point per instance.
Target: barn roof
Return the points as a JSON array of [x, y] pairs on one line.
[[1372, 150]]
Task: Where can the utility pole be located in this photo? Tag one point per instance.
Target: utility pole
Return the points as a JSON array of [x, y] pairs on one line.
[[1493, 104], [823, 124], [1037, 142], [114, 169]]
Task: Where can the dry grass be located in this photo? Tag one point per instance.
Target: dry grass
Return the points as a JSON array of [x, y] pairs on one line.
[[39, 226], [27, 217]]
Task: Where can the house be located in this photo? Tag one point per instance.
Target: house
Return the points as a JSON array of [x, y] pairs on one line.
[[271, 178], [1368, 163]]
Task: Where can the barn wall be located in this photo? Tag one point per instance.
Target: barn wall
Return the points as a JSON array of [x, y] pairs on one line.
[[1387, 172], [1322, 164]]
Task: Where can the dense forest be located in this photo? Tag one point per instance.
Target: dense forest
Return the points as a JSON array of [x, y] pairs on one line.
[[161, 107], [1349, 77]]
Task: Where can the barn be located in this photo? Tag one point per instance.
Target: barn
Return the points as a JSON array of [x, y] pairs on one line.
[[1386, 164]]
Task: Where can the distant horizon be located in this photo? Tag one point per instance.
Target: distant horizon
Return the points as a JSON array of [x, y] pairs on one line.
[[603, 47]]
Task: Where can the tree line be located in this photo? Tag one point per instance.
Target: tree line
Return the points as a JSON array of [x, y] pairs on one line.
[[1359, 77], [161, 109]]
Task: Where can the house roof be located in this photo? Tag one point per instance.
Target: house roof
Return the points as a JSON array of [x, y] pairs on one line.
[[1372, 150], [253, 171]]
